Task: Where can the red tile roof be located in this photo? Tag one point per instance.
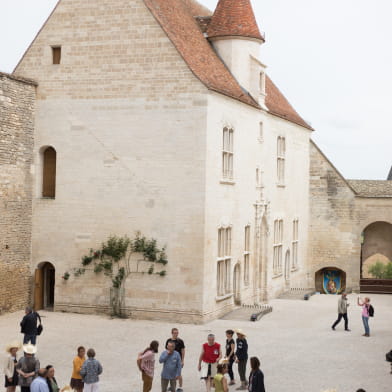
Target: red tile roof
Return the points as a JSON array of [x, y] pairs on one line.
[[278, 105], [176, 18], [234, 18], [196, 8], [182, 29]]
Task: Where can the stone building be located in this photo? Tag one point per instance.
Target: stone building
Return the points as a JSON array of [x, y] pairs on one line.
[[159, 117], [17, 97]]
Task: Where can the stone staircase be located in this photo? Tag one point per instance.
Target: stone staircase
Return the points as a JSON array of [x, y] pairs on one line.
[[248, 312], [297, 293]]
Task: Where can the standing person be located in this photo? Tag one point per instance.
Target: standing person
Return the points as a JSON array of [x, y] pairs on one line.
[[27, 367], [11, 375], [180, 348], [365, 314], [209, 357], [76, 378], [220, 382], [52, 382], [40, 383], [241, 357], [230, 354], [171, 370], [146, 363], [342, 312], [256, 377], [90, 372], [28, 326]]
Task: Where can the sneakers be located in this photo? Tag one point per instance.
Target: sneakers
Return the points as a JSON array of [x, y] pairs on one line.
[[179, 390], [232, 382], [348, 330]]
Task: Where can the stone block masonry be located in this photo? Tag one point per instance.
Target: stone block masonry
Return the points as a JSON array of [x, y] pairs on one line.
[[17, 97]]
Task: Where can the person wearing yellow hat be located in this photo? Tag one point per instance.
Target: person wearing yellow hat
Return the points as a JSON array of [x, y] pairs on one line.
[[11, 375]]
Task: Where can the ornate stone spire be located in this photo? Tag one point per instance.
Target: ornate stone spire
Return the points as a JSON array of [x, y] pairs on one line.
[[390, 175], [234, 18]]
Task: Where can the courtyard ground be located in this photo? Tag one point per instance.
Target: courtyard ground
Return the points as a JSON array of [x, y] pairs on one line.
[[298, 349]]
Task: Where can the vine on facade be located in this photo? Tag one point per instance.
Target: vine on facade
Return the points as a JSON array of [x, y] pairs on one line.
[[113, 259]]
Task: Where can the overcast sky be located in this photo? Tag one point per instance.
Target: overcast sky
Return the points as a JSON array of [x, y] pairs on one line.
[[332, 59]]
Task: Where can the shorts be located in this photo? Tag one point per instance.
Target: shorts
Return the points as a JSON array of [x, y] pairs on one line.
[[207, 370], [77, 383]]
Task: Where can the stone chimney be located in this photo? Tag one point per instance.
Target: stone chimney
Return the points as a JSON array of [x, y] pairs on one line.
[[236, 38]]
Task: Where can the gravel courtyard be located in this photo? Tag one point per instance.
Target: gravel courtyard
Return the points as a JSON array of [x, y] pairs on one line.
[[298, 349]]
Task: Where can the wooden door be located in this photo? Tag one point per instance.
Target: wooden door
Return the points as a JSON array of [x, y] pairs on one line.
[[39, 289]]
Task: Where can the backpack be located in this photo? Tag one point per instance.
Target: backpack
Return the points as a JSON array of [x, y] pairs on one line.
[[388, 356], [371, 311]]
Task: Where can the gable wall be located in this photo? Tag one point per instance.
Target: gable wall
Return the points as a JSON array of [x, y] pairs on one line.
[[127, 119]]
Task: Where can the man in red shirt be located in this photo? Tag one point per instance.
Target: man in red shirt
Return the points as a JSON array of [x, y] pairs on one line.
[[210, 355]]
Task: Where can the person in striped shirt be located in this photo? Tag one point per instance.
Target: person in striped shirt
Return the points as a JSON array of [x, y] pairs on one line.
[[145, 363]]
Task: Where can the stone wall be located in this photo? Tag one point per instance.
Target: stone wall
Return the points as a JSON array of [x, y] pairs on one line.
[[17, 97], [338, 217]]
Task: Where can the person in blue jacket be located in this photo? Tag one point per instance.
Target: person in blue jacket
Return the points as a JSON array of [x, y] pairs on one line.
[[171, 370]]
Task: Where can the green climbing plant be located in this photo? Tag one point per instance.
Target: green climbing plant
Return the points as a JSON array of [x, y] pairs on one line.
[[113, 260]]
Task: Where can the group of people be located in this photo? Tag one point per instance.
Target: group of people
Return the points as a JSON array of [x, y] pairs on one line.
[[212, 364], [27, 373], [367, 311]]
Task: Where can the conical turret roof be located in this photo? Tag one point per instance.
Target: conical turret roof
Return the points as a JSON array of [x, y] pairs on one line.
[[234, 18]]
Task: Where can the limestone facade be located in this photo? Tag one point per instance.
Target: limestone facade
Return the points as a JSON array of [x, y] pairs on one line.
[[17, 99]]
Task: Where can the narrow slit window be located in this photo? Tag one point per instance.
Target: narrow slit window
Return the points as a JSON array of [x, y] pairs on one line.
[[49, 173], [56, 54]]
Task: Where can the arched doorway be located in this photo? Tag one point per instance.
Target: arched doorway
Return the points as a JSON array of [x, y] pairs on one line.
[[237, 284], [376, 249], [330, 280], [44, 282]]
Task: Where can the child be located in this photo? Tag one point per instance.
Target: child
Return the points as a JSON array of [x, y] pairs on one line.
[[220, 381]]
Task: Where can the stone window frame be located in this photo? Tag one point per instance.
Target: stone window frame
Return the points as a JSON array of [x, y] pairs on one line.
[[56, 54], [224, 262], [247, 254], [228, 154], [281, 160], [260, 138], [278, 247], [294, 245]]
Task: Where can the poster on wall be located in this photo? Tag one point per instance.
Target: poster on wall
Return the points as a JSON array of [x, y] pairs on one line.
[[332, 281]]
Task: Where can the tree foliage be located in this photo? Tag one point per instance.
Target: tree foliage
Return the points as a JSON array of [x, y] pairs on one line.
[[380, 270]]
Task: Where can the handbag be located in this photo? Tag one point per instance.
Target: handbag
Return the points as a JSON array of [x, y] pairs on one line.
[[40, 327]]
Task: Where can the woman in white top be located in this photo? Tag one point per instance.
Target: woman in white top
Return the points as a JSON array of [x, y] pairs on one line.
[[11, 376]]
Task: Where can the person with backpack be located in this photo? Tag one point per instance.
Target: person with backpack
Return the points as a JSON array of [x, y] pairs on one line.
[[367, 311]]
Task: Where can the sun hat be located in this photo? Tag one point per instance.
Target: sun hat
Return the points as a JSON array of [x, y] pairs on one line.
[[223, 361], [239, 331], [13, 344], [29, 348]]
